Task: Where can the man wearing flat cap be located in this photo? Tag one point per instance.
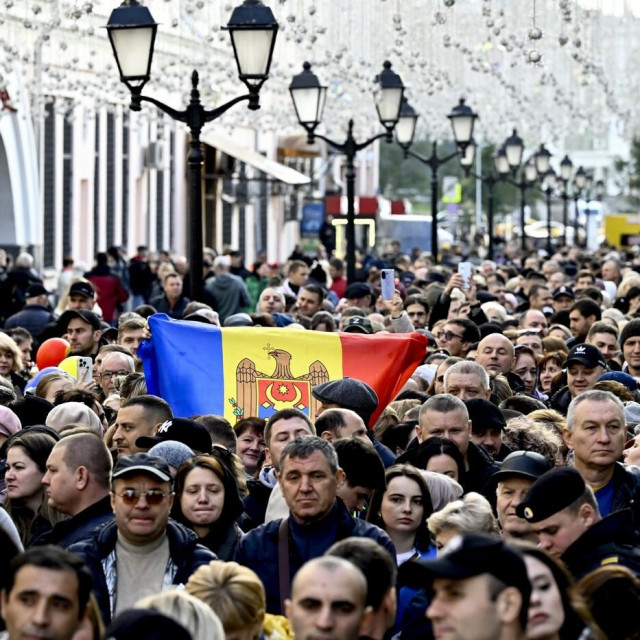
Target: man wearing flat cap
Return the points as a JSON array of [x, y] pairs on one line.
[[143, 551], [564, 514], [480, 589], [349, 393], [518, 472], [487, 426]]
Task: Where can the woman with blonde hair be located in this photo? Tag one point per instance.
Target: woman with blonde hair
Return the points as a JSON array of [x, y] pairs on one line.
[[237, 596], [190, 612], [471, 513], [11, 362]]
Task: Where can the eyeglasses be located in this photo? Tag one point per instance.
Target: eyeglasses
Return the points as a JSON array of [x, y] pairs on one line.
[[447, 335], [153, 497], [107, 375]]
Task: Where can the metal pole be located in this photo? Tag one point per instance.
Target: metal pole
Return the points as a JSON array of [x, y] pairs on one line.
[[523, 203], [576, 220], [549, 243], [351, 218], [565, 212], [434, 204], [491, 184]]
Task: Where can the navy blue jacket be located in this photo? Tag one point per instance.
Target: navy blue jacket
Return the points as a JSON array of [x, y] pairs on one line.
[[612, 540], [33, 317], [258, 550], [184, 552], [78, 527]]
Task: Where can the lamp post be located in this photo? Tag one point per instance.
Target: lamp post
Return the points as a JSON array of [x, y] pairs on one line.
[[509, 160], [565, 175], [550, 182], [462, 121], [309, 98], [579, 183], [491, 179], [132, 32]]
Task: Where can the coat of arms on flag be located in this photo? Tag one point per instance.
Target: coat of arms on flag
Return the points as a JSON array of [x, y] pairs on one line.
[[261, 395]]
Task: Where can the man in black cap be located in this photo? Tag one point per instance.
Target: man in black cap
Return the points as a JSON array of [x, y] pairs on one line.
[[191, 433], [35, 314], [563, 298], [357, 324], [83, 330], [143, 551], [518, 472], [349, 393], [585, 364], [359, 294], [564, 515], [480, 589], [487, 425], [81, 295]]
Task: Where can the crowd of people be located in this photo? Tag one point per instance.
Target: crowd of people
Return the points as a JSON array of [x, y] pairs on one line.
[[497, 496]]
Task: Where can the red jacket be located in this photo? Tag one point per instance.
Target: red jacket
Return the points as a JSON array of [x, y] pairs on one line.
[[109, 291]]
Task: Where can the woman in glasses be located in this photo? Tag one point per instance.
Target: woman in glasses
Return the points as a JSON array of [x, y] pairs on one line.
[[208, 502]]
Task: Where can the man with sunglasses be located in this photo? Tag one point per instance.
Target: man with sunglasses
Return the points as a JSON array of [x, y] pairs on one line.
[[457, 336], [142, 552]]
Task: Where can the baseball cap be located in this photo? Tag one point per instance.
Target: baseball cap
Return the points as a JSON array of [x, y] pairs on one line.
[[484, 415], [522, 464], [552, 492], [35, 290], [142, 463], [82, 289], [189, 432], [88, 316], [470, 555], [563, 291], [357, 324], [586, 354]]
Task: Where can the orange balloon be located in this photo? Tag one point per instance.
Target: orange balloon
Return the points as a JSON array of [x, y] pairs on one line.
[[52, 352]]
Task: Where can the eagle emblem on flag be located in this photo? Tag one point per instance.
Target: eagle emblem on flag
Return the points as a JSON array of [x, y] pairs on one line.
[[261, 395]]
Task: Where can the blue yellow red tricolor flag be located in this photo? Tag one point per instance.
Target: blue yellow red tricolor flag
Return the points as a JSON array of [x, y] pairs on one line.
[[256, 371]]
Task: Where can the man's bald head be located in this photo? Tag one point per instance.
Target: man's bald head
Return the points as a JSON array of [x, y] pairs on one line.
[[496, 353]]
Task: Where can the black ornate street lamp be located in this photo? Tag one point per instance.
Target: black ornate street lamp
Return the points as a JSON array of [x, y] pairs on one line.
[[550, 182], [132, 32], [501, 167], [566, 167], [579, 183], [509, 160], [462, 120], [309, 98]]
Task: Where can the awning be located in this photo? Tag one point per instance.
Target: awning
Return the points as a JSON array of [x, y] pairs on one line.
[[254, 159]]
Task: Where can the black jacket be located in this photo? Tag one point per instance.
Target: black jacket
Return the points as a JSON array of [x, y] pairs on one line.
[[481, 468], [162, 305], [184, 552], [78, 527], [612, 540], [560, 400], [255, 505], [626, 482], [258, 550]]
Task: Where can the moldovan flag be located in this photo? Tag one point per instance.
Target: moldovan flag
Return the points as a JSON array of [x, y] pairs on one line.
[[254, 371]]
